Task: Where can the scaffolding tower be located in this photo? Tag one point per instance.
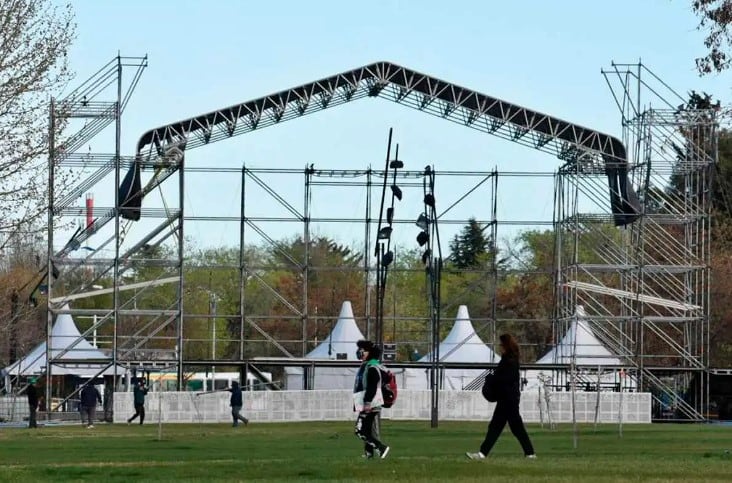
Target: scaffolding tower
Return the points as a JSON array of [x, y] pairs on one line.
[[76, 267], [645, 287]]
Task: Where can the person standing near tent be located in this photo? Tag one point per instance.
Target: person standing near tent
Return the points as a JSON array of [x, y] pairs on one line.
[[108, 403], [139, 400], [505, 381], [236, 404], [369, 399], [89, 398], [32, 392]]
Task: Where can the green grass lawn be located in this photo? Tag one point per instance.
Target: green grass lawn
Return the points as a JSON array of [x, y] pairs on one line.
[[329, 451]]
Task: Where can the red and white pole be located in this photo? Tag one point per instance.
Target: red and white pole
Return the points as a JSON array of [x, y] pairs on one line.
[[89, 210]]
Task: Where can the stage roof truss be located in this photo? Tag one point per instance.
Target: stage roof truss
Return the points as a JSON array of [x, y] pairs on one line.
[[464, 106]]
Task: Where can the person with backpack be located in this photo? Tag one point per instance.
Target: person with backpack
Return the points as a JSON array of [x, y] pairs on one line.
[[503, 387], [369, 399]]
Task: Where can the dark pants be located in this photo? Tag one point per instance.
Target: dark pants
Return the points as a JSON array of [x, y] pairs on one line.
[[32, 417], [238, 417], [139, 411], [368, 428], [506, 412], [90, 412]]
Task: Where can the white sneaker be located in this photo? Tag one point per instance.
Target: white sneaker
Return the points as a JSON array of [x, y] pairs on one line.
[[385, 452], [531, 456], [475, 456]]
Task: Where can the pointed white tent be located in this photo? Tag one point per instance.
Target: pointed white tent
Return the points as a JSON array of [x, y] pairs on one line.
[[462, 344], [342, 339], [63, 334], [340, 344], [589, 350], [580, 341]]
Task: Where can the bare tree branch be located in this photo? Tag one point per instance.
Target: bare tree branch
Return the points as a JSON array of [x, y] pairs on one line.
[[715, 17], [35, 36]]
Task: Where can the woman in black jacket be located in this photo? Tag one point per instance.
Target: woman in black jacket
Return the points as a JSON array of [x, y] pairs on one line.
[[506, 380]]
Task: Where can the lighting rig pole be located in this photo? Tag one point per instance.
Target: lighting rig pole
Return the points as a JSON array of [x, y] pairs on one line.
[[383, 253], [429, 237]]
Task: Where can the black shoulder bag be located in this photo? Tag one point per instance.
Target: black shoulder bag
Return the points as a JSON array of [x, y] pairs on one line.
[[489, 390]]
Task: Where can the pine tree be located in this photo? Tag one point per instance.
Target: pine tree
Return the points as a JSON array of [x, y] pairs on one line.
[[468, 249]]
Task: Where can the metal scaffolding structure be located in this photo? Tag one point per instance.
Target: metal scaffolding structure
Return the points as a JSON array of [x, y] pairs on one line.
[[75, 269], [425, 93], [638, 263], [298, 309], [645, 288]]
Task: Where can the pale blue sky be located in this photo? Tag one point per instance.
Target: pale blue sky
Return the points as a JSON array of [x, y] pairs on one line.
[[543, 55]]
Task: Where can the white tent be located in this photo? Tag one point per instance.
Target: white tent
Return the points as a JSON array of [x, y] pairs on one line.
[[340, 344], [587, 349], [63, 334], [462, 344]]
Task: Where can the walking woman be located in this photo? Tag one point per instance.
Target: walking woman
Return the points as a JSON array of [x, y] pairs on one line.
[[506, 380]]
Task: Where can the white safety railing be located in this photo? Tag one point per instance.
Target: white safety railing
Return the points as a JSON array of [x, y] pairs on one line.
[[336, 405]]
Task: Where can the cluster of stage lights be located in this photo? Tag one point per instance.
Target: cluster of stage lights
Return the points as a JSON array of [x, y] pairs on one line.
[[386, 231], [423, 222]]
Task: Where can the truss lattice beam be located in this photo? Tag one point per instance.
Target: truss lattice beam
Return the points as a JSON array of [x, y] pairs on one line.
[[566, 140]]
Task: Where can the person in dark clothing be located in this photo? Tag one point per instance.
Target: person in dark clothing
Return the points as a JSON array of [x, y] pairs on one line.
[[108, 403], [358, 384], [368, 400], [139, 400], [358, 387], [506, 379], [32, 392], [89, 398], [236, 404]]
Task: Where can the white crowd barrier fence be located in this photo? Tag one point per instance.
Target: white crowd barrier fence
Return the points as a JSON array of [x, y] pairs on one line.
[[336, 405]]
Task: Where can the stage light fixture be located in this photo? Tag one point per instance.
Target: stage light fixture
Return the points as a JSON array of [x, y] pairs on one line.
[[429, 200], [384, 233], [390, 215], [422, 238], [387, 258], [396, 191], [422, 222], [396, 164]]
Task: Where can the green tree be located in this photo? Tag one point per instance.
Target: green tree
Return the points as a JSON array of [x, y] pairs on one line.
[[697, 119], [469, 248], [333, 273], [698, 141], [406, 306]]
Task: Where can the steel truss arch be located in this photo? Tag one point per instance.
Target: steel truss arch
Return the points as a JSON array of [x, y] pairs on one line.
[[568, 141]]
